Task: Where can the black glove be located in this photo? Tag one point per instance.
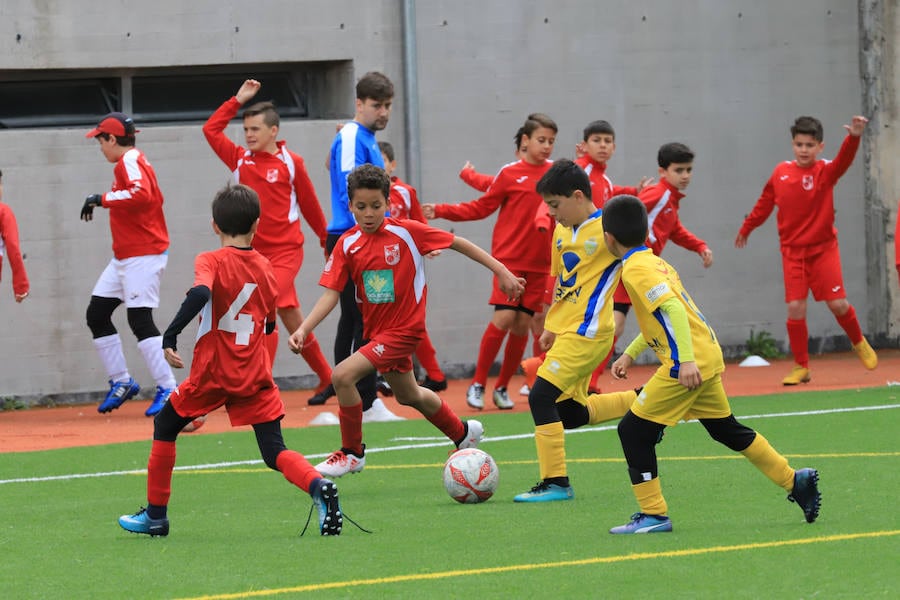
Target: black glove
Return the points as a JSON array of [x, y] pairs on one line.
[[87, 211]]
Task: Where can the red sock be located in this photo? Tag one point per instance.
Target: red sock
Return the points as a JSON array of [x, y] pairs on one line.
[[850, 324], [447, 421], [351, 428], [798, 336], [490, 346], [312, 354], [536, 349], [427, 356], [296, 469], [512, 358], [159, 472], [272, 345]]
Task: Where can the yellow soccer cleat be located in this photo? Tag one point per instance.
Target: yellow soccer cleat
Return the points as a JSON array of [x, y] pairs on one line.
[[866, 354], [798, 375]]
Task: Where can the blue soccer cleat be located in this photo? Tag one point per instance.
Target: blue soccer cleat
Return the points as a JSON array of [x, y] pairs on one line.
[[119, 392], [162, 396], [643, 523], [806, 493], [325, 497], [140, 522], [546, 492]]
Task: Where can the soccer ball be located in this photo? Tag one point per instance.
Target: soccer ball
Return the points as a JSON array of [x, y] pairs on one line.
[[471, 476]]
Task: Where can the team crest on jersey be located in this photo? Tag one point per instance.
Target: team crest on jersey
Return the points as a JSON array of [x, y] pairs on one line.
[[590, 246], [807, 182], [392, 254], [379, 286], [272, 175]]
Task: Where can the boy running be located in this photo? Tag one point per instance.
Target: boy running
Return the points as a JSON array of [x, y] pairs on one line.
[[9, 245]]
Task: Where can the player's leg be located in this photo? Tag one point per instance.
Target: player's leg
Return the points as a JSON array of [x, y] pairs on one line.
[[435, 380], [298, 471], [516, 342], [491, 340], [596, 408], [351, 456], [796, 289]]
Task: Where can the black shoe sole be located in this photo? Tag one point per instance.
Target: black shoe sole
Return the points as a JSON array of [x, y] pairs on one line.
[[334, 520], [322, 397]]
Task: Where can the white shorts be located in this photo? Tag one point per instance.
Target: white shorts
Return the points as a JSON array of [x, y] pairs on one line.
[[134, 281]]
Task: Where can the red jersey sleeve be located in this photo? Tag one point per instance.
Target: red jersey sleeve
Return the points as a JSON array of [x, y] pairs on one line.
[[476, 209], [478, 181], [337, 272], [9, 234], [204, 270], [629, 190], [214, 131], [308, 201], [835, 169], [761, 210], [415, 208]]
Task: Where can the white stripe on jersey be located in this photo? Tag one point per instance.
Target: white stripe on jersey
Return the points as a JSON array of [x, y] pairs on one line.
[[407, 199], [655, 213], [348, 146], [132, 170], [418, 259]]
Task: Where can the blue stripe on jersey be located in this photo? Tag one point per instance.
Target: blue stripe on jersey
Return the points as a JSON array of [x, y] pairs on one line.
[[589, 325], [664, 322]]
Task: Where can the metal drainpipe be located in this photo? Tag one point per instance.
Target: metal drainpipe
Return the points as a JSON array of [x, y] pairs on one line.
[[413, 172]]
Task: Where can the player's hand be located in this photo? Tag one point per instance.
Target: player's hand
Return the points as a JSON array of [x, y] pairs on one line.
[[467, 167], [740, 241], [511, 285], [857, 126], [295, 342], [644, 182], [173, 358], [620, 367], [20, 297], [433, 254], [428, 211], [707, 257], [87, 211], [247, 90], [546, 340], [689, 375], [579, 150]]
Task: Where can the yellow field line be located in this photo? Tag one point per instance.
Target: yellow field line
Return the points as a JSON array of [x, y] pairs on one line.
[[315, 587]]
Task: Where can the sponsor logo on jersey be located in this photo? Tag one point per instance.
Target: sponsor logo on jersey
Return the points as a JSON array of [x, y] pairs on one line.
[[522, 179], [379, 286], [657, 291]]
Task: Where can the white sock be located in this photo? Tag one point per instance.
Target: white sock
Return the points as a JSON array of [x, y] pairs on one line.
[[152, 350], [109, 347]]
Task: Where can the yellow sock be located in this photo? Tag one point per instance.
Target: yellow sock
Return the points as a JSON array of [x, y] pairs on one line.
[[649, 497], [550, 440], [773, 465], [606, 407]]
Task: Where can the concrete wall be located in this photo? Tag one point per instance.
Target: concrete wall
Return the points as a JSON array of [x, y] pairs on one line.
[[727, 78]]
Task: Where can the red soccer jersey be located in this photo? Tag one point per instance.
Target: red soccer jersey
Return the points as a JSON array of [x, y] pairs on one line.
[[478, 181], [805, 200], [602, 188], [404, 201], [513, 192], [230, 353], [135, 206], [662, 200], [388, 270], [281, 181], [9, 246]]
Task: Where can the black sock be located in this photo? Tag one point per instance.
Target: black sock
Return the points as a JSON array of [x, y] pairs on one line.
[[560, 481], [155, 511]]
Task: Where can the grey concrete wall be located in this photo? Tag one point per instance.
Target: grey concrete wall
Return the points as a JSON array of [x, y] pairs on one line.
[[727, 78]]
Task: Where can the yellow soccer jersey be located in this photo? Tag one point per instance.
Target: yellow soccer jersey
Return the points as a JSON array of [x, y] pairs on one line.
[[650, 281], [586, 277]]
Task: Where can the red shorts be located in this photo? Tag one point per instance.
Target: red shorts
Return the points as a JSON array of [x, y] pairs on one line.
[[190, 401], [819, 273], [532, 298], [393, 350], [286, 264]]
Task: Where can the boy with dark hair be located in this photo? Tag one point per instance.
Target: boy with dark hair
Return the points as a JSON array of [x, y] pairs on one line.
[[9, 245], [285, 191], [578, 330], [140, 242], [385, 260], [688, 383], [355, 145], [803, 191], [235, 288], [517, 242]]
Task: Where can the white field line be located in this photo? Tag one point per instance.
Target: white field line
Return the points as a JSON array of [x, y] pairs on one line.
[[427, 442]]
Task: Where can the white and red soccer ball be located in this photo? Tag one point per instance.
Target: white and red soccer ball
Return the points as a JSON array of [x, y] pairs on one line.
[[471, 476]]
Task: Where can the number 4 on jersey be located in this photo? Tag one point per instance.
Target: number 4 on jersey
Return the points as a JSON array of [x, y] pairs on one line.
[[233, 321]]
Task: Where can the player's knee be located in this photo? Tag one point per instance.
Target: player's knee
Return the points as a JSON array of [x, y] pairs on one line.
[[573, 414], [542, 402], [99, 316], [141, 322], [729, 432], [167, 424], [633, 429]]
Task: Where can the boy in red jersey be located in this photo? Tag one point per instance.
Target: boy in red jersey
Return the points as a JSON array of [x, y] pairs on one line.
[[803, 191], [234, 291], [517, 243], [9, 245], [385, 259], [285, 192], [404, 203], [140, 243]]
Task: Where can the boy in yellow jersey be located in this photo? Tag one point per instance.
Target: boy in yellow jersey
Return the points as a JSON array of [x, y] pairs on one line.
[[578, 331], [688, 384]]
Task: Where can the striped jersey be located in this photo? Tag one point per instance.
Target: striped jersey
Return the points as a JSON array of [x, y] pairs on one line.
[[354, 145]]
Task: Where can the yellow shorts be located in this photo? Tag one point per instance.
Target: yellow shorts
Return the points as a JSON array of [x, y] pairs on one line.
[[570, 362], [665, 401]]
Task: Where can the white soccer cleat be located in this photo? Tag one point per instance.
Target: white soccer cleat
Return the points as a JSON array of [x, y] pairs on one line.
[[474, 433], [340, 463], [379, 413]]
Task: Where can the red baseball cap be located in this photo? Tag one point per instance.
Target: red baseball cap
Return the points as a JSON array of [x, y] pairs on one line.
[[115, 123]]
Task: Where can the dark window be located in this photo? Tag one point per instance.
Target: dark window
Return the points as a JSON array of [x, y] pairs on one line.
[[62, 102]]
